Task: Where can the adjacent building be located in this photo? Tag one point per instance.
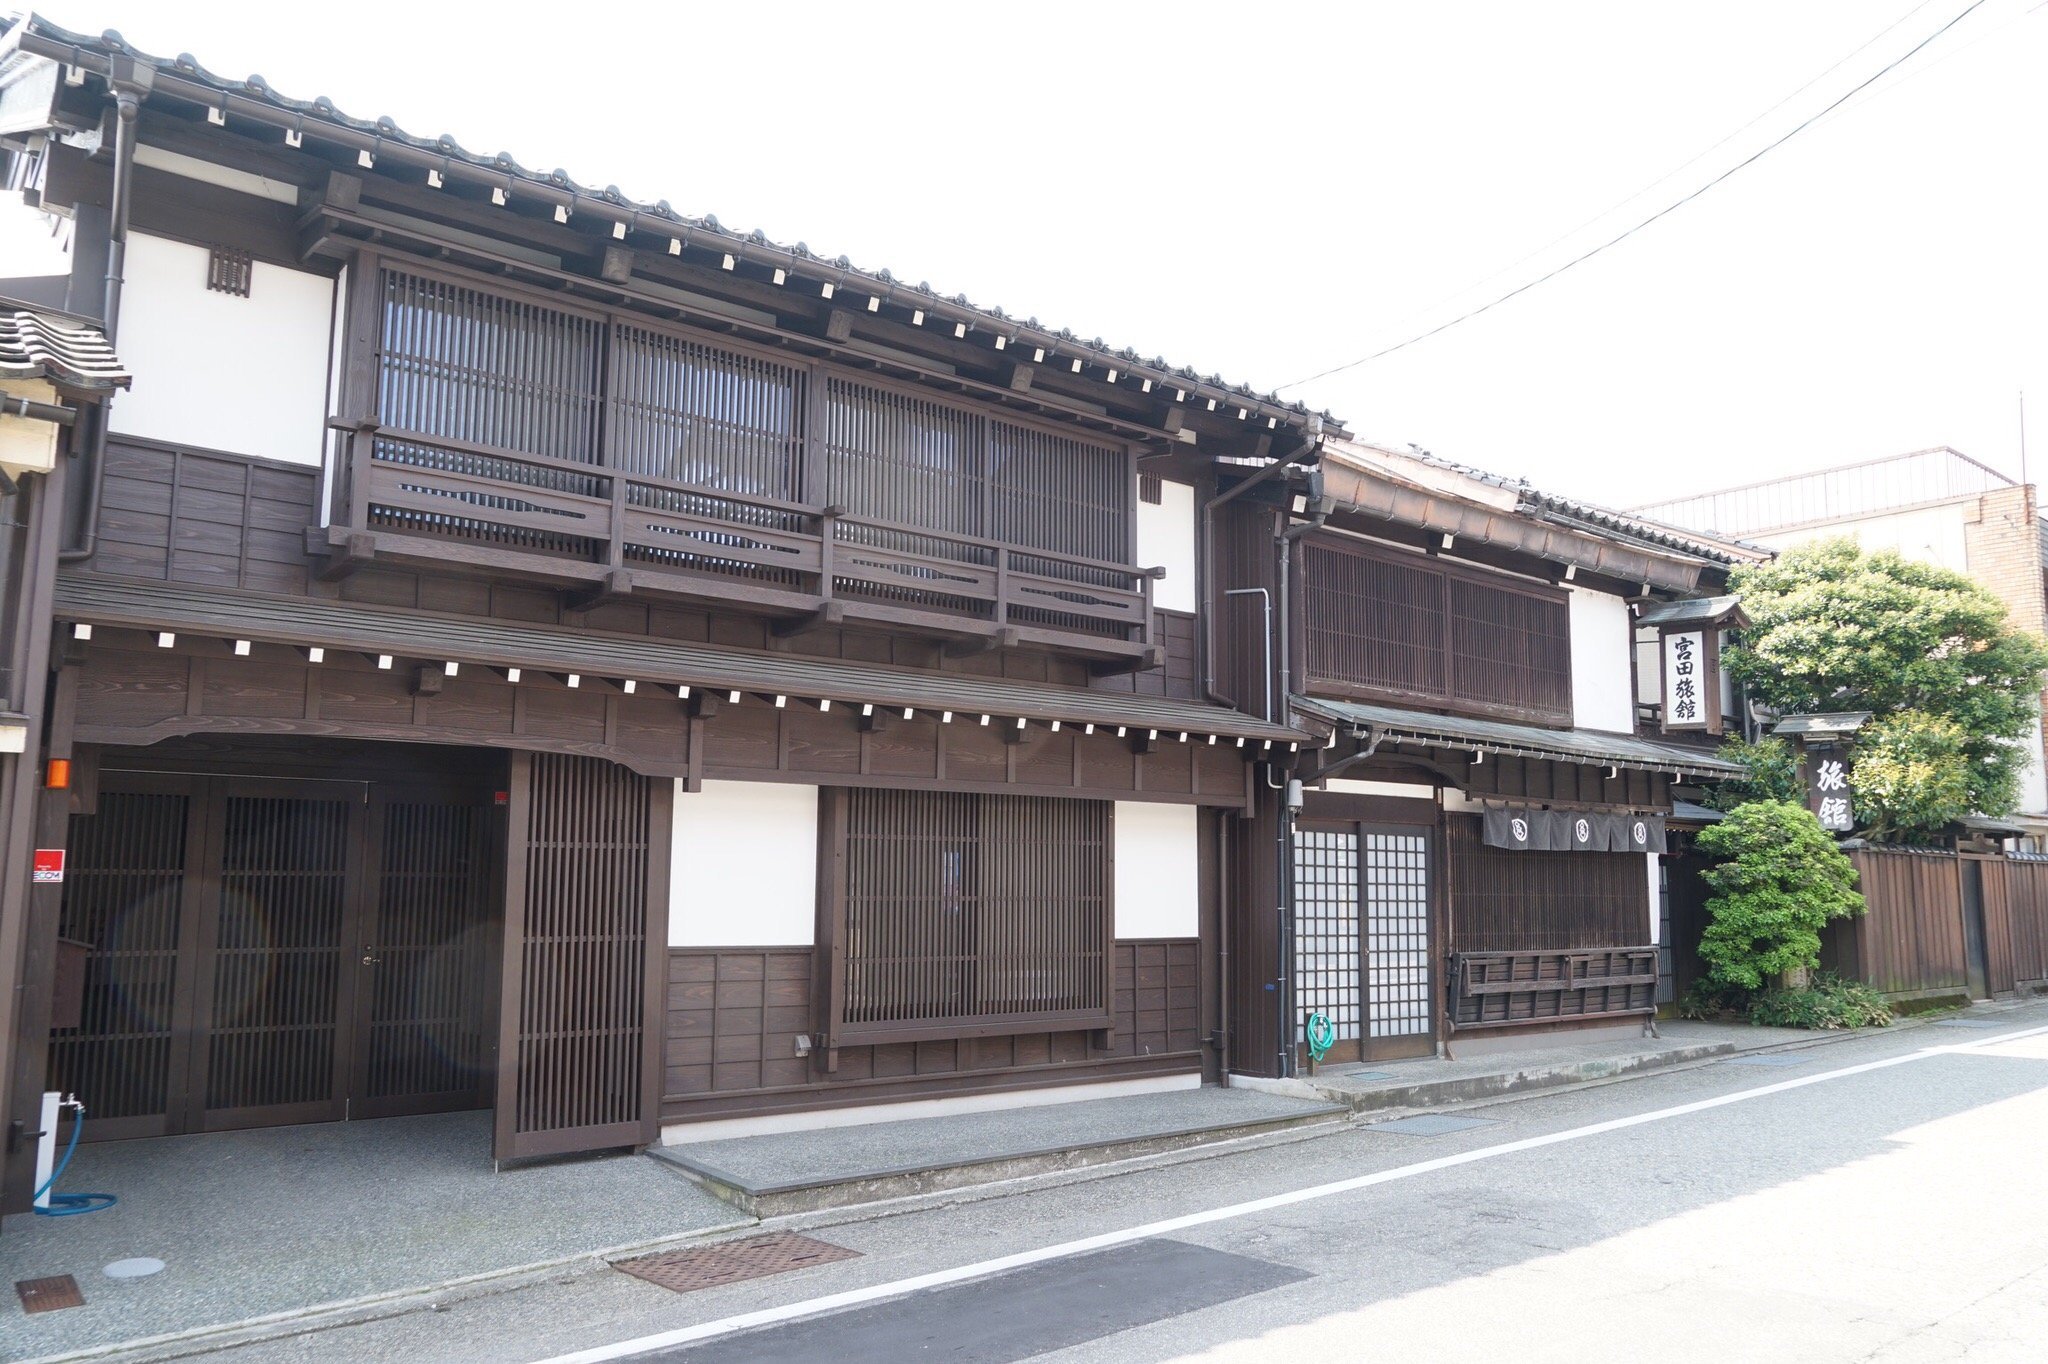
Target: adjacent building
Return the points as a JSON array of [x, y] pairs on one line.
[[1937, 506]]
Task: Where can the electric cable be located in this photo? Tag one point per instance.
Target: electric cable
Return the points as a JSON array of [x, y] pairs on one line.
[[1587, 255]]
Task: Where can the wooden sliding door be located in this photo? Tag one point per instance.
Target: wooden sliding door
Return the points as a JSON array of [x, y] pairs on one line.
[[585, 957]]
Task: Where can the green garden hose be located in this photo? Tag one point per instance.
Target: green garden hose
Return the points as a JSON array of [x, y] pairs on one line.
[[1322, 1035]]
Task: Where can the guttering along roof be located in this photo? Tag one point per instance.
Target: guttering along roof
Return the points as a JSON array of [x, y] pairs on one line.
[[427, 637], [1393, 725], [253, 98], [36, 343]]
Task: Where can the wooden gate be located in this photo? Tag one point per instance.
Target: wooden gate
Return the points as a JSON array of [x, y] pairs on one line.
[[263, 951], [585, 959]]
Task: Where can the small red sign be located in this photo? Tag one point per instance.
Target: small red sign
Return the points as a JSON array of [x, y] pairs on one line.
[[49, 865]]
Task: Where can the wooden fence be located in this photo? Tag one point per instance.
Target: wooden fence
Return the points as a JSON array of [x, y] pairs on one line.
[[1940, 923]]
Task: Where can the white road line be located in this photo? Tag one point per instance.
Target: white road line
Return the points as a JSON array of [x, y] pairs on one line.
[[897, 1288]]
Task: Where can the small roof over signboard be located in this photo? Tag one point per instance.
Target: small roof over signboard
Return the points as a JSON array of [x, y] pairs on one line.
[[1835, 722], [1724, 611]]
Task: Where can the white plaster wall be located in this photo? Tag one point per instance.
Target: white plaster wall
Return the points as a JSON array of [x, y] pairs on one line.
[[1650, 861], [1166, 539], [244, 375], [1933, 535], [1405, 790], [1158, 884], [2033, 779], [1603, 637], [743, 867]]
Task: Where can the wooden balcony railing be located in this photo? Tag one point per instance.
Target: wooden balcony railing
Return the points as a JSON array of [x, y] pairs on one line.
[[405, 495]]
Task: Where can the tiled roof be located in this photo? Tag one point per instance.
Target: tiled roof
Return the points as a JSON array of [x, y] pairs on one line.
[[35, 344], [1536, 502], [1499, 736], [383, 136]]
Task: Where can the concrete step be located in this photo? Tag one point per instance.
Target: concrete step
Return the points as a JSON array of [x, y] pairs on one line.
[[793, 1172], [1366, 1088]]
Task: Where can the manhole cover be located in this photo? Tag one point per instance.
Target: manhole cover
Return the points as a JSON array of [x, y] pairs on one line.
[[140, 1267], [686, 1271], [48, 1295]]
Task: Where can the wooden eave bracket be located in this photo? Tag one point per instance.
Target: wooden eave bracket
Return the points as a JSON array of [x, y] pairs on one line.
[[1152, 656], [615, 584], [966, 646], [831, 614], [347, 552]]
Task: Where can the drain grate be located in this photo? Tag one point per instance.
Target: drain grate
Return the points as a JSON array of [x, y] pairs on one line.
[[755, 1257], [49, 1295]]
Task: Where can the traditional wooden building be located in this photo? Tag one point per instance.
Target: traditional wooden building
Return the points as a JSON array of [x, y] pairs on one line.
[[1475, 853], [517, 647]]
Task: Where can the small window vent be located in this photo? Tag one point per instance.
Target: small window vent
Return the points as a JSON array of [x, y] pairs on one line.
[[229, 271], [1150, 489]]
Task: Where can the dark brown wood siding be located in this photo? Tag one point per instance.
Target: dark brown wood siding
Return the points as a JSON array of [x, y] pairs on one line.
[[1380, 624], [1910, 939], [734, 1016], [1507, 901]]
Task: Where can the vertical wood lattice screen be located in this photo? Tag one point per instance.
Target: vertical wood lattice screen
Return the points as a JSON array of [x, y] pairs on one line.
[[970, 914], [263, 951], [1510, 901], [458, 362], [1402, 628], [578, 913]]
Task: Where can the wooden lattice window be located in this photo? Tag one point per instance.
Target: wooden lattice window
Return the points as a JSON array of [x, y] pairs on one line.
[[965, 915], [1405, 628], [461, 362], [229, 271]]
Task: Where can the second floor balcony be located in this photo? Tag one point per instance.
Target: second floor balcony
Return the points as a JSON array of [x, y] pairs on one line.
[[488, 432]]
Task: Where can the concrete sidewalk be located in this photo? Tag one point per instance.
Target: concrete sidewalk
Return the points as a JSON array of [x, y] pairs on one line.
[[1437, 1082], [793, 1172], [287, 1220]]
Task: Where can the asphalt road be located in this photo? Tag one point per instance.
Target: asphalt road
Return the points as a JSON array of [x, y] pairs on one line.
[[1879, 1199]]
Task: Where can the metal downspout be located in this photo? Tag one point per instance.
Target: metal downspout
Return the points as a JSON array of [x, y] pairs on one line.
[[127, 110], [1312, 439]]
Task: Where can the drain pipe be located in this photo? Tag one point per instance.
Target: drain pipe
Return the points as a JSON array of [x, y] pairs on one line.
[[127, 111], [1311, 442]]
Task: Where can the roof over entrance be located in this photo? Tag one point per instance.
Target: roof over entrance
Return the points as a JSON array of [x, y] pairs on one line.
[[428, 637], [36, 343], [1527, 741]]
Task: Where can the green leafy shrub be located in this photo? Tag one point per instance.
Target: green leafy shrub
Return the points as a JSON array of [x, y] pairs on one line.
[[1827, 1002], [1912, 775], [1770, 772], [1780, 879]]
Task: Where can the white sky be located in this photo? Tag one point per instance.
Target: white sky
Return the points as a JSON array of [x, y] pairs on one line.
[[1263, 191]]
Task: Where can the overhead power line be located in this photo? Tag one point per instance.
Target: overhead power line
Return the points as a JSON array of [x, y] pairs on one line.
[[1616, 240], [1476, 285]]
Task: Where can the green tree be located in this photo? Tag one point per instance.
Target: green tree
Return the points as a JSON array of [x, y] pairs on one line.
[[1912, 774], [1834, 628], [1770, 772], [1780, 879]]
